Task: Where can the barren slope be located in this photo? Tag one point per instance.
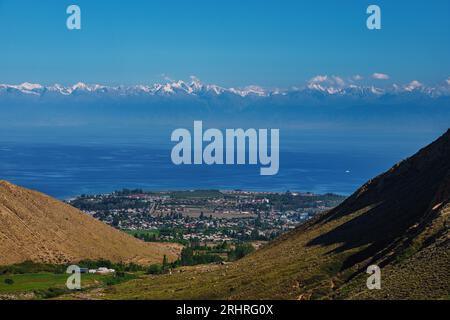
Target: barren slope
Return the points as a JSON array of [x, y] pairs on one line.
[[38, 228]]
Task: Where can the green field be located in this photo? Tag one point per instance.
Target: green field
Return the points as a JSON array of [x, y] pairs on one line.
[[44, 281]]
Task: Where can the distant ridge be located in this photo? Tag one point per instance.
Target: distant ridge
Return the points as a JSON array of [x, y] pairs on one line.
[[398, 221], [322, 102], [38, 228], [324, 85]]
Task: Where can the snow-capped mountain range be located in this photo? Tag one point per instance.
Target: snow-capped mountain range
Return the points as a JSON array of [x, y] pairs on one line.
[[326, 85]]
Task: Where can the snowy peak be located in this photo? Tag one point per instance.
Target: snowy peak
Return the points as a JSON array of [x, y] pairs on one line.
[[322, 84], [29, 86]]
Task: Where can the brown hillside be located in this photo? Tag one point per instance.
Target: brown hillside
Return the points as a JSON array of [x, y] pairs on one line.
[[38, 228], [399, 221]]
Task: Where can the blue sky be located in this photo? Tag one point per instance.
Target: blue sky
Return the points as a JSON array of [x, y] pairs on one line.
[[231, 43]]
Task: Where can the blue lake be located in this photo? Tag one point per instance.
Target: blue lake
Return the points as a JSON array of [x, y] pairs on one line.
[[64, 171]]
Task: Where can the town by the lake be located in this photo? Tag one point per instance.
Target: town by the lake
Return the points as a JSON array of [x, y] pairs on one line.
[[205, 216]]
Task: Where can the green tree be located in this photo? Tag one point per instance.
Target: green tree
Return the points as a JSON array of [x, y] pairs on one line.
[[241, 251], [155, 269], [115, 221], [187, 256], [254, 234], [165, 265]]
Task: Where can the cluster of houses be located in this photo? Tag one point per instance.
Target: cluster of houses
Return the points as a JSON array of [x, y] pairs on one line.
[[100, 271]]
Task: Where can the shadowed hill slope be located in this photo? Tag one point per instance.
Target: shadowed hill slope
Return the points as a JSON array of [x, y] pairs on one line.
[[38, 228], [399, 221], [402, 203]]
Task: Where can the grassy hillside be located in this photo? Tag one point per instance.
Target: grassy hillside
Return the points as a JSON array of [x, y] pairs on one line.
[[399, 221], [41, 229]]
